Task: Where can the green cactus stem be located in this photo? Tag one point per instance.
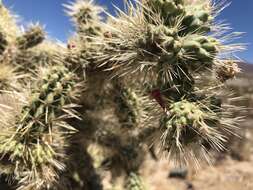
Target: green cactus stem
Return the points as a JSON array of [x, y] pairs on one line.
[[134, 182], [37, 143], [32, 37]]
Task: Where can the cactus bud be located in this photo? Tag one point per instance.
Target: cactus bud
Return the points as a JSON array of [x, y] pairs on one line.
[[228, 70]]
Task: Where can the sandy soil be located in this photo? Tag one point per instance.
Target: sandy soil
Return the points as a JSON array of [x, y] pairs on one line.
[[228, 174]]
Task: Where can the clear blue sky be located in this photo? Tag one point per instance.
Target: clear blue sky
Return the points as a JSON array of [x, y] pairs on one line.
[[50, 12]]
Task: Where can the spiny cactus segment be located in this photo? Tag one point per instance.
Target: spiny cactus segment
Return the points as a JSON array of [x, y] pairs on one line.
[[189, 125], [134, 182], [32, 37], [171, 51], [35, 143], [86, 16]]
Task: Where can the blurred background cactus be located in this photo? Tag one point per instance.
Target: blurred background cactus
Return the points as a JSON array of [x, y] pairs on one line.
[[149, 81]]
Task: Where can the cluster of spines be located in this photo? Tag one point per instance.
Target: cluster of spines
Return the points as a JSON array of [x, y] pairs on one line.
[[188, 123], [195, 17], [134, 182], [36, 146], [8, 23], [32, 37], [171, 50], [14, 46], [173, 47], [194, 51], [56, 88], [86, 17], [168, 9], [130, 106], [198, 17]]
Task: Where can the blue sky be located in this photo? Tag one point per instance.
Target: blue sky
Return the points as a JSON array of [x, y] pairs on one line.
[[50, 13]]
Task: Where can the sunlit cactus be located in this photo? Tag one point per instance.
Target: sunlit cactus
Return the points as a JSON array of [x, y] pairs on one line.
[[15, 50], [86, 16], [35, 143], [8, 23], [32, 37], [168, 47], [8, 77], [187, 127], [134, 182], [148, 80]]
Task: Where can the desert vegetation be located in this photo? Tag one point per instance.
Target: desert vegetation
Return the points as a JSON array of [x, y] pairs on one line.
[[150, 83]]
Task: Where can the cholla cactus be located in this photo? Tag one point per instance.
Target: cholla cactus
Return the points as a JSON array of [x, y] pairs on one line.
[[186, 128], [34, 130], [32, 37], [34, 139], [86, 16], [175, 45], [152, 75], [15, 50], [134, 182]]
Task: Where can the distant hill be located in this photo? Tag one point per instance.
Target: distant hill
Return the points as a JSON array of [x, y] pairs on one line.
[[247, 68]]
